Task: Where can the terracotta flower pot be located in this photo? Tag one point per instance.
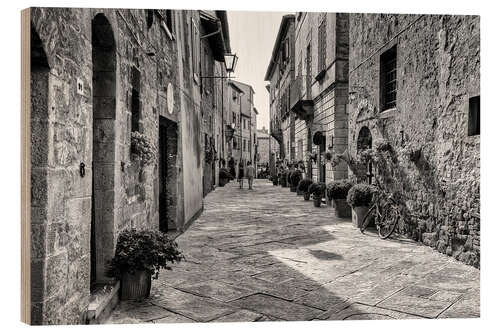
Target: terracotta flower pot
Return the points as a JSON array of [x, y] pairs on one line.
[[307, 195], [342, 208], [317, 201], [135, 286], [358, 215]]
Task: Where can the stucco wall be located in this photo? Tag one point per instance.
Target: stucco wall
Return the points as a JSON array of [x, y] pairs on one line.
[[437, 71]]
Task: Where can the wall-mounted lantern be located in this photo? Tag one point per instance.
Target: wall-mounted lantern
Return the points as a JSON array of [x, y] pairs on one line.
[[230, 61]]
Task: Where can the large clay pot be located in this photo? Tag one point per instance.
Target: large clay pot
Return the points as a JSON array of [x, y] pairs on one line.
[[135, 286], [307, 195], [317, 201], [358, 215], [342, 208]]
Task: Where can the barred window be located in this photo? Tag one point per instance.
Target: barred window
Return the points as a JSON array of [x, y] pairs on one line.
[[388, 79], [474, 120]]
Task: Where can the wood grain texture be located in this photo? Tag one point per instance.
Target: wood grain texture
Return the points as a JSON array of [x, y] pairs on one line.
[[25, 167]]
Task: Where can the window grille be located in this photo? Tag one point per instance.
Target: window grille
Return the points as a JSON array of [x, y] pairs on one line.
[[388, 78]]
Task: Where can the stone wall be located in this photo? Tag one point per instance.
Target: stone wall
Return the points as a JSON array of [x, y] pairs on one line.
[[435, 164], [80, 125]]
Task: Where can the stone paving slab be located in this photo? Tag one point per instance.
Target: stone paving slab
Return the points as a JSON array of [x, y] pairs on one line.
[[277, 307], [268, 255]]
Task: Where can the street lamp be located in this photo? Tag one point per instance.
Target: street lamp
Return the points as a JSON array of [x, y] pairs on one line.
[[230, 61]]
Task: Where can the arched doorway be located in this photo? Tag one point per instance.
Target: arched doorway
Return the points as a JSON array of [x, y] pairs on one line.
[[365, 142], [39, 127], [103, 147]]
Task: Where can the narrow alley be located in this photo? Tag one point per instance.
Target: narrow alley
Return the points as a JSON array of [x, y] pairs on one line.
[[266, 254]]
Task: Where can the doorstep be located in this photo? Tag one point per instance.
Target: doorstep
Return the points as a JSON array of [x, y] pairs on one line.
[[102, 301]]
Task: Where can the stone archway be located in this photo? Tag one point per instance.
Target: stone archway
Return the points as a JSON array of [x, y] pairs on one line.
[[39, 127], [103, 147], [365, 142]]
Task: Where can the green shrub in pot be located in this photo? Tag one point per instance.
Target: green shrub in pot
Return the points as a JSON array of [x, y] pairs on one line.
[[139, 256], [295, 178], [317, 190], [360, 197], [338, 189], [337, 192], [283, 176], [304, 187]]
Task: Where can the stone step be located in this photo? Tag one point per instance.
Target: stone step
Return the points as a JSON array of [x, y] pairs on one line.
[[102, 301]]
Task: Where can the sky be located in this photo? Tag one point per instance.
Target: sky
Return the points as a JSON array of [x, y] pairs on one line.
[[252, 36]]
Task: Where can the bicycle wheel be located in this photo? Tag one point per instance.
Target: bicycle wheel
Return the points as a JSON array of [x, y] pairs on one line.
[[388, 222], [366, 219]]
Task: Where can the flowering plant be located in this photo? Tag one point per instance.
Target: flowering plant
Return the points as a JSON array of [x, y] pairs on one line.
[[143, 148]]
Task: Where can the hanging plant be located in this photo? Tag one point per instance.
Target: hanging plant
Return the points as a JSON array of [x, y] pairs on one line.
[[311, 157], [210, 154], [142, 148]]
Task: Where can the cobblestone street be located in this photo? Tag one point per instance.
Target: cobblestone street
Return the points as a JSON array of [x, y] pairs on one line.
[[266, 254]]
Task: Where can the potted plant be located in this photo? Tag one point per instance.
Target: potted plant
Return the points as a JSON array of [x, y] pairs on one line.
[[303, 188], [317, 190], [295, 178], [139, 256], [283, 176], [337, 193], [224, 177], [359, 198], [275, 180]]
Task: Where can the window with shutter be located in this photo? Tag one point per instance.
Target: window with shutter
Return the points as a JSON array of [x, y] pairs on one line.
[[322, 46], [195, 45]]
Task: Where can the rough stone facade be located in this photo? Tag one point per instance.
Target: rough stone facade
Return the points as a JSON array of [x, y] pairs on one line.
[[97, 76], [436, 163]]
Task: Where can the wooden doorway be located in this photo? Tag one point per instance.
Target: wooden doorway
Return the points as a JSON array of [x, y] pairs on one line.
[[167, 160]]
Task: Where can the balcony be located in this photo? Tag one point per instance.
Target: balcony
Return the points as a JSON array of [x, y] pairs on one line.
[[300, 98]]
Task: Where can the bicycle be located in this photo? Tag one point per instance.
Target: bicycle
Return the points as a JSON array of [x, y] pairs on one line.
[[386, 213]]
